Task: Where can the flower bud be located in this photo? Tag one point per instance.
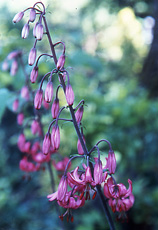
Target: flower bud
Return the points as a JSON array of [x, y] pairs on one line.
[[34, 29], [61, 61], [38, 99], [111, 162], [39, 31], [32, 15], [79, 114], [46, 143], [15, 105], [21, 142], [49, 92], [55, 137], [55, 108], [79, 146], [32, 56], [34, 74], [18, 17], [20, 118], [25, 31], [69, 95], [14, 68], [25, 93]]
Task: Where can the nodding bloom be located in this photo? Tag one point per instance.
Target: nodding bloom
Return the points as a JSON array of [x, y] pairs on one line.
[[79, 114], [40, 158], [69, 95], [120, 198], [36, 128], [111, 162], [15, 105], [38, 99], [84, 182], [32, 15], [55, 137], [55, 108], [34, 74], [27, 166], [61, 165], [14, 68], [61, 62], [98, 172], [20, 118], [18, 17], [46, 143], [79, 146], [25, 31], [32, 56], [49, 92], [39, 31], [25, 93]]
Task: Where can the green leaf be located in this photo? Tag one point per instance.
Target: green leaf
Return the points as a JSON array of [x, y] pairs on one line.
[[4, 96]]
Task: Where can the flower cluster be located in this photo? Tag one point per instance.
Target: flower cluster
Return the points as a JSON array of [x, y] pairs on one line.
[[80, 184]]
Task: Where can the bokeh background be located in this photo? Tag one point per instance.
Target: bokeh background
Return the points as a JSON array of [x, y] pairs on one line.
[[112, 52]]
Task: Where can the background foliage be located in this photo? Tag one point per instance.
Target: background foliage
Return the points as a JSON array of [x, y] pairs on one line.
[[107, 42]]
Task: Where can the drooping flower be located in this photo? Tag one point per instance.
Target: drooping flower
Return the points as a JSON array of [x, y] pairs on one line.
[[120, 198], [61, 165]]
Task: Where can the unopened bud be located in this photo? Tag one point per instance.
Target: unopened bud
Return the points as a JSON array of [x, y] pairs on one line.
[[55, 137], [61, 61], [34, 29], [111, 162], [34, 74], [46, 143], [14, 68], [32, 56], [39, 31], [25, 31], [69, 95], [25, 93], [46, 105], [18, 17], [79, 146], [79, 114], [55, 108], [32, 15], [20, 118], [38, 99], [49, 92]]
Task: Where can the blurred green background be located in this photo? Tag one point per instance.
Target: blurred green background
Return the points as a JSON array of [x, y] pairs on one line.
[[112, 58]]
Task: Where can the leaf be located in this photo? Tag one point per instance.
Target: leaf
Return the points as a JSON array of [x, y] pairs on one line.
[[4, 96]]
